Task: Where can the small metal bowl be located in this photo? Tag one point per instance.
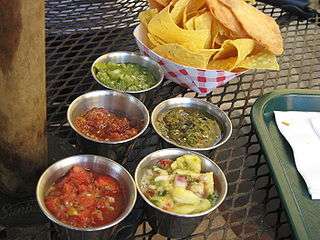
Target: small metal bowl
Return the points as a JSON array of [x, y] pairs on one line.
[[113, 101], [130, 57], [97, 164], [170, 224], [194, 103]]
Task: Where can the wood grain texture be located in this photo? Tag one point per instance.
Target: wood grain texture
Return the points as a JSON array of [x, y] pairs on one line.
[[22, 94]]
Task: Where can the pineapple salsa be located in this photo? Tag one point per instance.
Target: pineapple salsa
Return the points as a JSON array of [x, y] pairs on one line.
[[179, 186]]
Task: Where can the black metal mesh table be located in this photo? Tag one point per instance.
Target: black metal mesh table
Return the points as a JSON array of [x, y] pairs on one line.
[[78, 31]]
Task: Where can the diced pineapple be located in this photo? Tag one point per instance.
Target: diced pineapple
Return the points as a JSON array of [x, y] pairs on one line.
[[202, 206], [181, 195], [186, 173], [207, 179], [184, 208], [160, 171], [189, 162], [192, 208], [164, 202], [197, 188]]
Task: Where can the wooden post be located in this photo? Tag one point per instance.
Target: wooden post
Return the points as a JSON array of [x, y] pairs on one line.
[[23, 146]]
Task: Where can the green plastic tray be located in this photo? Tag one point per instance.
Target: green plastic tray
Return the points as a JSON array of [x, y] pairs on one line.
[[303, 213]]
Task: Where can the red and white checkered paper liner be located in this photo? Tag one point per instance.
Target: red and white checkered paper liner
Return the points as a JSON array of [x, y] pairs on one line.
[[198, 80]]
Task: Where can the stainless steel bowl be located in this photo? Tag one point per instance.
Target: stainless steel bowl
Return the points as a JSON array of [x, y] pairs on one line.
[[113, 101], [221, 117], [130, 57], [172, 224], [97, 164]]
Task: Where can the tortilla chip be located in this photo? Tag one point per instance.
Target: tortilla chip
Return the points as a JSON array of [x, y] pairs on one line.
[[154, 4], [234, 50], [257, 25], [204, 21], [215, 29], [183, 56], [192, 9], [228, 35], [146, 16], [177, 11], [143, 36], [260, 60], [226, 18], [195, 5], [189, 25], [163, 26], [222, 64], [155, 40], [163, 2]]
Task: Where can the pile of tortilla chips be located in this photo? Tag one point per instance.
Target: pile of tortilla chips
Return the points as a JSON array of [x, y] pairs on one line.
[[229, 35]]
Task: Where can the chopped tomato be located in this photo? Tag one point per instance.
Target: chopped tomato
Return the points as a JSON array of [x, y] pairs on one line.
[[80, 220], [97, 216], [69, 188], [102, 203], [165, 163], [52, 204], [80, 175], [108, 183], [115, 136], [85, 199], [84, 188]]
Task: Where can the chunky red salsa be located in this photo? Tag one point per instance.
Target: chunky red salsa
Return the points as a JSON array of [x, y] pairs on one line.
[[84, 199], [102, 125]]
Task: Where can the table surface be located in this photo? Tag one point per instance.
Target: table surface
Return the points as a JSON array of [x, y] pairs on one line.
[[78, 31]]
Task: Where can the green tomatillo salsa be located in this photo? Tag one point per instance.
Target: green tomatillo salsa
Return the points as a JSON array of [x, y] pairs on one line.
[[189, 127], [124, 76]]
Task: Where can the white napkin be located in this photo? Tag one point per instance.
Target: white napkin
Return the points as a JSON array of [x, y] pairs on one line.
[[302, 131]]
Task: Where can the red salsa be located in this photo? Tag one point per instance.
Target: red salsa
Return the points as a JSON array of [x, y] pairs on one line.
[[84, 199], [102, 125]]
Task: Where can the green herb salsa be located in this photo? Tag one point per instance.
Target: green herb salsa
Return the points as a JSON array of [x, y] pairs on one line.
[[124, 76], [189, 127]]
